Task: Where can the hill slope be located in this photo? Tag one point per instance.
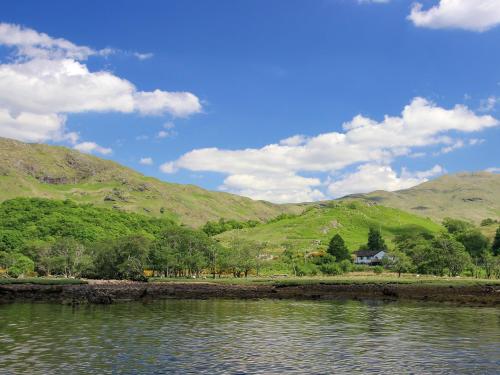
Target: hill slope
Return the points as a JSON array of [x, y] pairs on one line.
[[351, 219], [38, 170], [471, 196]]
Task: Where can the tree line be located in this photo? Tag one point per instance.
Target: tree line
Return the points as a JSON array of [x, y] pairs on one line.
[[61, 238]]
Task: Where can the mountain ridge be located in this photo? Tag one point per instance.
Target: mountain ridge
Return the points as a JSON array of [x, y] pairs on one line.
[[46, 171], [472, 196]]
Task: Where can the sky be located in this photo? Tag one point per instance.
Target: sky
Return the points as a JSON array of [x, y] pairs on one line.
[[281, 100]]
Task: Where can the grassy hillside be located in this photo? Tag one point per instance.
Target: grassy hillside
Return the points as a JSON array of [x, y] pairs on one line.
[[351, 219], [38, 170], [468, 196]]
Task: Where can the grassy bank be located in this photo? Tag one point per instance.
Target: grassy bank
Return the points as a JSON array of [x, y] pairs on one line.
[[352, 279], [42, 281]]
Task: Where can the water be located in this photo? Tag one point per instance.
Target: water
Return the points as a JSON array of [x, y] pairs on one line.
[[238, 337]]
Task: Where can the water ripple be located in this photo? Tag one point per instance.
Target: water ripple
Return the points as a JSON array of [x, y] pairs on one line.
[[249, 337]]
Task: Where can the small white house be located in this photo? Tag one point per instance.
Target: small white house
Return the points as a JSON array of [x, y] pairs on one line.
[[370, 257]]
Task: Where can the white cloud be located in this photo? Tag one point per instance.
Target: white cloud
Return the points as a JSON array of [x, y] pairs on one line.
[[493, 170], [32, 44], [169, 132], [48, 80], [146, 161], [143, 56], [473, 15], [168, 167], [295, 140], [370, 177], [279, 189], [488, 104], [455, 146], [92, 147], [364, 140]]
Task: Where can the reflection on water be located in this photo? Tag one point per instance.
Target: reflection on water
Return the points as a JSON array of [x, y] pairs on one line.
[[237, 337]]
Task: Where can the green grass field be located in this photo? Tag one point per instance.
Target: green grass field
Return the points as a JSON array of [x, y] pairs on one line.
[[347, 279], [312, 230]]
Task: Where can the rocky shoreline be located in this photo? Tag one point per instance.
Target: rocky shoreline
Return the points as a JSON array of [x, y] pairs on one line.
[[106, 293]]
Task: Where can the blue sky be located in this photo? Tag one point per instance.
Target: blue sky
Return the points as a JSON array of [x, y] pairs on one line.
[[237, 79]]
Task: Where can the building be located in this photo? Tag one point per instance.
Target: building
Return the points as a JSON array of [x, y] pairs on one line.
[[370, 257]]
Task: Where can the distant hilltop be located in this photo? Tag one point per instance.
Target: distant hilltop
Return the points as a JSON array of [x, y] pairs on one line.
[[39, 170]]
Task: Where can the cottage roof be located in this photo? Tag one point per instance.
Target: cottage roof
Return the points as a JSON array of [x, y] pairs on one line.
[[367, 253]]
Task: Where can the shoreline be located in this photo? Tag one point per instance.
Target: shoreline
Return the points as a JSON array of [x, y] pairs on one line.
[[107, 293]]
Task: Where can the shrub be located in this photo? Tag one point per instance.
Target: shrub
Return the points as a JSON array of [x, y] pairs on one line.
[[346, 265], [307, 269], [20, 265], [378, 269], [331, 269]]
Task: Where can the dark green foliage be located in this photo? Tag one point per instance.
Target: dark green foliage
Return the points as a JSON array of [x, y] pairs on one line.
[[283, 217], [375, 240], [27, 219], [331, 269], [488, 221], [179, 251], [213, 228], [338, 249], [123, 258], [439, 256], [474, 242], [495, 247], [456, 226]]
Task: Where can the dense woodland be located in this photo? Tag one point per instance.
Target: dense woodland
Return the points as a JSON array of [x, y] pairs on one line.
[[61, 238]]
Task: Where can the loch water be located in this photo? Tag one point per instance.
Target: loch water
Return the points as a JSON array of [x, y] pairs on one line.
[[249, 337]]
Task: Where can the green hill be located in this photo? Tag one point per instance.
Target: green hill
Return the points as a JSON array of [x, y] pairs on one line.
[[469, 196], [313, 229], [38, 170]]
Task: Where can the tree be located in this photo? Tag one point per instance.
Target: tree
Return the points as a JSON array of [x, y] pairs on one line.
[[123, 258], [291, 256], [495, 247], [455, 226], [474, 241], [375, 240], [398, 261], [449, 254], [66, 256], [20, 265], [338, 249]]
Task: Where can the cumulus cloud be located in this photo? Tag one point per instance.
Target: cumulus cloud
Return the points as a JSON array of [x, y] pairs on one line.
[[280, 189], [146, 161], [48, 79], [370, 177], [473, 15], [260, 172], [92, 147]]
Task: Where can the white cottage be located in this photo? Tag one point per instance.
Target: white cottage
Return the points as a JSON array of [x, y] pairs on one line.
[[370, 257]]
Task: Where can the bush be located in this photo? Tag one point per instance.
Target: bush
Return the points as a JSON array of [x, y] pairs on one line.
[[378, 269], [331, 269], [346, 265], [360, 268], [21, 265], [307, 269]]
